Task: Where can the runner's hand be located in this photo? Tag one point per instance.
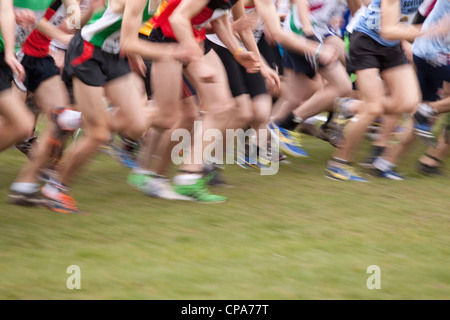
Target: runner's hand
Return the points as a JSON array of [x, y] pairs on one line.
[[272, 79], [15, 66], [25, 18], [249, 60]]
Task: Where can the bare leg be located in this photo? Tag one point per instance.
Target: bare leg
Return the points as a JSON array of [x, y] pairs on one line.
[[51, 93], [18, 121], [338, 85], [372, 90]]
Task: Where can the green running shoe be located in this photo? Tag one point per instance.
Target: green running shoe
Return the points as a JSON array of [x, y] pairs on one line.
[[137, 180], [199, 192]]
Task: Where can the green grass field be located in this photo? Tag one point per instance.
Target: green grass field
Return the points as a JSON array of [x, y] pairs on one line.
[[292, 236]]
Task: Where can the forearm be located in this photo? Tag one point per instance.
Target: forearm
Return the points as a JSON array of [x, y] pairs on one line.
[[45, 27], [180, 19], [303, 13], [390, 27], [400, 32], [223, 30], [149, 50], [129, 35], [181, 27], [246, 35], [7, 25]]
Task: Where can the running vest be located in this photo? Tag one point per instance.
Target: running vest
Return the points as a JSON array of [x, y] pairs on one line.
[[37, 43], [369, 23], [320, 13], [103, 30], [148, 26], [213, 10], [38, 7], [434, 49]]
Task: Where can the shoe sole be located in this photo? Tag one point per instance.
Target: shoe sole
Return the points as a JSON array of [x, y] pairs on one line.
[[327, 175], [24, 202]]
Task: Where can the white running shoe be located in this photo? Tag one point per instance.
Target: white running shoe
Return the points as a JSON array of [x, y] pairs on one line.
[[160, 188]]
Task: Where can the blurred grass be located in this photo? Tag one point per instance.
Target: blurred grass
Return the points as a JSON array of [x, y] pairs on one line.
[[292, 236]]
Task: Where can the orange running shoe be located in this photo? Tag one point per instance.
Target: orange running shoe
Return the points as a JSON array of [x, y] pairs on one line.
[[58, 199]]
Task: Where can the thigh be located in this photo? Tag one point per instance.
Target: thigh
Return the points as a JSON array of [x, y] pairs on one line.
[[124, 93], [370, 86], [52, 93], [299, 87], [90, 102], [166, 82], [214, 95], [403, 87]]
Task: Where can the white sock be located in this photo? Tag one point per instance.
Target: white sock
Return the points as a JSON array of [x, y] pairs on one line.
[[186, 179], [383, 165], [24, 187], [142, 172], [69, 119]]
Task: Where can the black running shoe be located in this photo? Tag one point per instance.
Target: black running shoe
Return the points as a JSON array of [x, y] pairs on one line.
[[26, 146], [429, 170], [218, 179], [24, 199]]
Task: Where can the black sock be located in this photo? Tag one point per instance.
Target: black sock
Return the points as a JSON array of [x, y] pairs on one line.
[[340, 161], [288, 123], [377, 151]]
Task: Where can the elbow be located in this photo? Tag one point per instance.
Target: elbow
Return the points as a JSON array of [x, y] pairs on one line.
[[175, 19]]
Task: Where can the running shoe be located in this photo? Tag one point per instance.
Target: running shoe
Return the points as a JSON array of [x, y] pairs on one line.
[[322, 132], [336, 126], [158, 187], [389, 174], [58, 199], [342, 172], [198, 192], [289, 141], [429, 170], [26, 146], [423, 128], [124, 156], [136, 180], [218, 180], [26, 199]]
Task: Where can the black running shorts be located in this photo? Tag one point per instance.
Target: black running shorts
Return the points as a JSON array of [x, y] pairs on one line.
[[431, 78], [240, 81], [271, 54], [91, 65], [298, 63], [366, 53], [37, 71], [6, 76]]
